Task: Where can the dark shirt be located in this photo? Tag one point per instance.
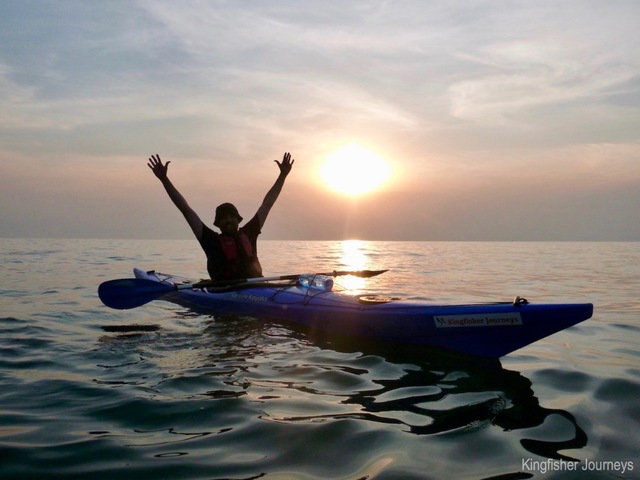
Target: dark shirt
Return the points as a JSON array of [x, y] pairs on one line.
[[245, 264]]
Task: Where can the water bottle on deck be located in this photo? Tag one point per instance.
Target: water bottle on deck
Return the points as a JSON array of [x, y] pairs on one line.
[[323, 283]]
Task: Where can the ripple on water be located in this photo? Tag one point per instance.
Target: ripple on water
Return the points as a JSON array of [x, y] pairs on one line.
[[621, 394], [566, 381], [162, 392]]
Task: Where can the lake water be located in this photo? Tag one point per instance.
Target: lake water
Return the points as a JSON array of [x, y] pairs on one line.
[[161, 392]]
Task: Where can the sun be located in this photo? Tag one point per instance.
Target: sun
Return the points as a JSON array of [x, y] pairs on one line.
[[354, 170]]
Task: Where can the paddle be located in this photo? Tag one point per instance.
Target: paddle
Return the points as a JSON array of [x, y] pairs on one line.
[[126, 293]]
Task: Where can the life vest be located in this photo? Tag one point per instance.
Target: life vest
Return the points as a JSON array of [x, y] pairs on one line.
[[240, 258]]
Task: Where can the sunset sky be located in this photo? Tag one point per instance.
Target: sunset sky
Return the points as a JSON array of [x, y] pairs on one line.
[[498, 120]]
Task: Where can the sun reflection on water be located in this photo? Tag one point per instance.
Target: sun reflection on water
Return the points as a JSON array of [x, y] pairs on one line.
[[353, 257]]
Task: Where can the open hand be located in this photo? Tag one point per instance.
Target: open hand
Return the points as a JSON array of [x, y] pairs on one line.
[[160, 170], [286, 164]]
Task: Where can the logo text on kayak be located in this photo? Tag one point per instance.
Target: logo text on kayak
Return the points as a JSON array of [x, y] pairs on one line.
[[477, 320]]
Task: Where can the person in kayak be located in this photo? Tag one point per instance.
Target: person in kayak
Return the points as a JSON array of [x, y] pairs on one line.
[[232, 253]]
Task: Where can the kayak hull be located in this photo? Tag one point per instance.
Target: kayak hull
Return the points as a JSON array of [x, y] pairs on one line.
[[489, 330]]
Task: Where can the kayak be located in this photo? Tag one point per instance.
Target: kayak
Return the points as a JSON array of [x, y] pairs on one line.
[[489, 330]]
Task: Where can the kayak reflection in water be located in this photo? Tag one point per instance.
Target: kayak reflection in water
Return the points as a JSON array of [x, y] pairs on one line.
[[442, 393], [232, 253]]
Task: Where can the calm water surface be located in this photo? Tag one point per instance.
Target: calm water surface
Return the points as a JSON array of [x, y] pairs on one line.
[[161, 392]]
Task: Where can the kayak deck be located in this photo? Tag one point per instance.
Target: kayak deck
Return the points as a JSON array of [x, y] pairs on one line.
[[486, 330]]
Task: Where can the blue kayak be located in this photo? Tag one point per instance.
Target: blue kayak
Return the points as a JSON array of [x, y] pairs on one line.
[[487, 330]]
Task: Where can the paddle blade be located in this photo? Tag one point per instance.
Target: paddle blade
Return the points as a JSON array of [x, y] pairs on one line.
[[359, 273], [128, 293]]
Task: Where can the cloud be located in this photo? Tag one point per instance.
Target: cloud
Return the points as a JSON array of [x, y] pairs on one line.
[[17, 102], [460, 97], [534, 74]]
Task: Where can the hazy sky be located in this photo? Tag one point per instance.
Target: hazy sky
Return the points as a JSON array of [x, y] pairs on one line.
[[501, 120]]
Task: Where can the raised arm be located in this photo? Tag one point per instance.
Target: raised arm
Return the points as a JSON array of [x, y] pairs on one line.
[[272, 195], [160, 170]]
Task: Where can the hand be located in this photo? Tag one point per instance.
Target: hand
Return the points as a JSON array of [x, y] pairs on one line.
[[159, 170], [286, 164]]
